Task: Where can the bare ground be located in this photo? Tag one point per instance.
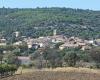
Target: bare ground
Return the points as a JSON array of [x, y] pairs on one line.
[[74, 74]]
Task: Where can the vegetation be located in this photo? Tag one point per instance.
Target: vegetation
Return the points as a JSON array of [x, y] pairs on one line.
[[41, 22], [53, 57], [10, 58], [95, 55], [72, 57], [6, 70]]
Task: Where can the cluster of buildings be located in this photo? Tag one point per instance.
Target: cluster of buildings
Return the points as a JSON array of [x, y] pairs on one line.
[[50, 41]]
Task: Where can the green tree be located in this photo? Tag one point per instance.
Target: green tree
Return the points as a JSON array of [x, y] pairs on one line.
[[10, 58], [53, 56], [95, 54], [1, 58], [71, 58]]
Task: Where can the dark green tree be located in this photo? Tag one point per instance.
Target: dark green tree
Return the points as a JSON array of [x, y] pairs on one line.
[[71, 58]]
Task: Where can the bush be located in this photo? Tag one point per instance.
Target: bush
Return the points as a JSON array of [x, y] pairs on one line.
[[9, 69], [70, 58]]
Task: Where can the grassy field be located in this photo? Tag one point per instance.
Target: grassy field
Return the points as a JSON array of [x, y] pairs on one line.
[[58, 74]]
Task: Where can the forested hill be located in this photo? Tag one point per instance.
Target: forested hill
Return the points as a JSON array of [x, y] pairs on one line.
[[42, 21]]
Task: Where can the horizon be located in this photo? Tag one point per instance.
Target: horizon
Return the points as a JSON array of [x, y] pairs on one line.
[[48, 7], [77, 4]]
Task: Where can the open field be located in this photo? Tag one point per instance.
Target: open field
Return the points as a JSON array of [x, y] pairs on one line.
[[58, 74]]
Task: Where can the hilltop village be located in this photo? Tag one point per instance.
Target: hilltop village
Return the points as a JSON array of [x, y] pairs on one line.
[[51, 41]]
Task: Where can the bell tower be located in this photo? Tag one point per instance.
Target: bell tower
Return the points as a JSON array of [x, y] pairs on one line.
[[55, 32]]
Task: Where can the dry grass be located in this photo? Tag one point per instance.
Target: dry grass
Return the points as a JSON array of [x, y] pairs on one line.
[[58, 74]]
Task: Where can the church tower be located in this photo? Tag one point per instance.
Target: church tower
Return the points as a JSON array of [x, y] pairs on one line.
[[17, 33], [55, 32]]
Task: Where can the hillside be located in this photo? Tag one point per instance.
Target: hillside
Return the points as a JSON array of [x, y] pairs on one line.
[[41, 22]]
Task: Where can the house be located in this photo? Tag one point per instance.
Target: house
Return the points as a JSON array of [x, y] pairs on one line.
[[24, 60], [85, 47], [37, 42], [17, 43], [73, 42], [35, 46], [97, 42], [91, 42], [3, 42], [68, 45]]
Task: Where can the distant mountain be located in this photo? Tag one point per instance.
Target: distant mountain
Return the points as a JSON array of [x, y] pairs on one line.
[[41, 22]]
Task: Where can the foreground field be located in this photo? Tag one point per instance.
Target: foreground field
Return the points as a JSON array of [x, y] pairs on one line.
[[58, 74]]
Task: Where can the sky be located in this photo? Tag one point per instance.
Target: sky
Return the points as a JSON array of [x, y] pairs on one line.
[[82, 4]]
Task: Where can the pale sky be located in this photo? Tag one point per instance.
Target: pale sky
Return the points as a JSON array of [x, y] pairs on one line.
[[82, 4]]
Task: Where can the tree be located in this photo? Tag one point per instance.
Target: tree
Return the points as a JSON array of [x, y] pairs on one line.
[[48, 57], [70, 58], [16, 52], [10, 58], [95, 54], [53, 57], [1, 57], [6, 70], [37, 56], [83, 56]]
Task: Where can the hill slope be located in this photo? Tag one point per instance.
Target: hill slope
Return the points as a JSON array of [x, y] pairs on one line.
[[41, 22]]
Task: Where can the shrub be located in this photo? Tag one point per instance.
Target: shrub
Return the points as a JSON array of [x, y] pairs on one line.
[[9, 69]]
